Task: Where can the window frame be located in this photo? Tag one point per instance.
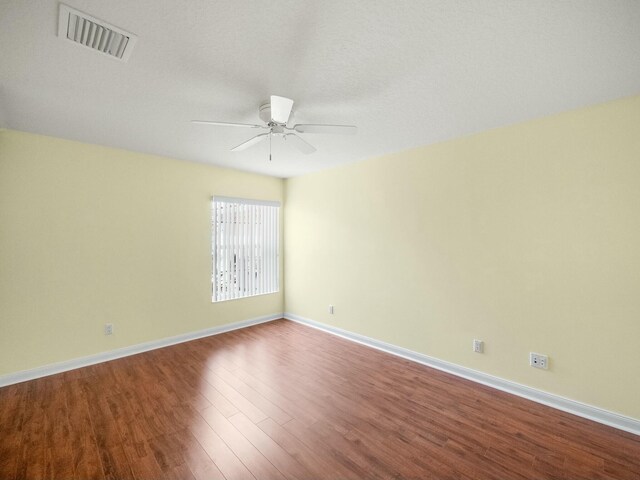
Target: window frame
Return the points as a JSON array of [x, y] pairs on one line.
[[265, 241]]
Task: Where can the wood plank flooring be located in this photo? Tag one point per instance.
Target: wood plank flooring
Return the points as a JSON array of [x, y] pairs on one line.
[[284, 401]]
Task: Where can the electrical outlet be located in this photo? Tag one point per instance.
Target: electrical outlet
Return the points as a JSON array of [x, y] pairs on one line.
[[538, 360], [478, 346], [108, 328], [331, 309]]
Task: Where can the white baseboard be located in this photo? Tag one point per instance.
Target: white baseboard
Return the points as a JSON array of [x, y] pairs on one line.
[[59, 367], [596, 414]]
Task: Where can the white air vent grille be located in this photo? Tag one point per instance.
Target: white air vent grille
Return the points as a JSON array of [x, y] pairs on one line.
[[95, 34]]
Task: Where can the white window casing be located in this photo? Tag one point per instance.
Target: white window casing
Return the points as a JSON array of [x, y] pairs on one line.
[[245, 247]]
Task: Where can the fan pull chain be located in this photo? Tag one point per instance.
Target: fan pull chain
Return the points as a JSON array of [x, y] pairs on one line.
[[270, 146]]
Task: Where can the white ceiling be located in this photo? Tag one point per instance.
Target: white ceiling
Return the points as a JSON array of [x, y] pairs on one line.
[[407, 73]]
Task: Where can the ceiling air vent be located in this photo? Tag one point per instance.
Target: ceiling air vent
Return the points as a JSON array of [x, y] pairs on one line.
[[90, 32]]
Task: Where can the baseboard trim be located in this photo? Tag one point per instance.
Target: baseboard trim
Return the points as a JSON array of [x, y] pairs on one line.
[[59, 367], [590, 412]]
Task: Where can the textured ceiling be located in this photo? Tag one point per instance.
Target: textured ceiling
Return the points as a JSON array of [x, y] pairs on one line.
[[407, 73]]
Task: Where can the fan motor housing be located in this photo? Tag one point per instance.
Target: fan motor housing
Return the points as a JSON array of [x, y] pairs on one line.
[[265, 113]]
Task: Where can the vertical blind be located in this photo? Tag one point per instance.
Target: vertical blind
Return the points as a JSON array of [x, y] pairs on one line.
[[245, 247]]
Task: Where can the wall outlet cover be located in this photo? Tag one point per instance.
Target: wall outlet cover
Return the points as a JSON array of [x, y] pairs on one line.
[[538, 360]]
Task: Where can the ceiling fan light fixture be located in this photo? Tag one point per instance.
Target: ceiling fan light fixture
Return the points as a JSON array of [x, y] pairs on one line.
[[280, 109], [276, 114]]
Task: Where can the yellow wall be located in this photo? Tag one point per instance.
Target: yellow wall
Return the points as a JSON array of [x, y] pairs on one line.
[[92, 235], [527, 237]]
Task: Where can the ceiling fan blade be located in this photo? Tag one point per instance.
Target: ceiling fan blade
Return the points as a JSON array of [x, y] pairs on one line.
[[249, 143], [302, 145], [333, 129], [280, 109], [228, 124]]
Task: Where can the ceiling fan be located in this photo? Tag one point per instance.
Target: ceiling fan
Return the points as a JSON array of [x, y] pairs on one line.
[[276, 115]]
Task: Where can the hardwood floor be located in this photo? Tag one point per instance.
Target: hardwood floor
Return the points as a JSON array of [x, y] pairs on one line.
[[284, 401]]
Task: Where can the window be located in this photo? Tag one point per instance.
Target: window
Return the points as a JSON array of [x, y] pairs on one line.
[[245, 248]]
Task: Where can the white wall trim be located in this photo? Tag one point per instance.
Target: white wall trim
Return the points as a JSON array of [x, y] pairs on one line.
[[596, 414], [53, 368]]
